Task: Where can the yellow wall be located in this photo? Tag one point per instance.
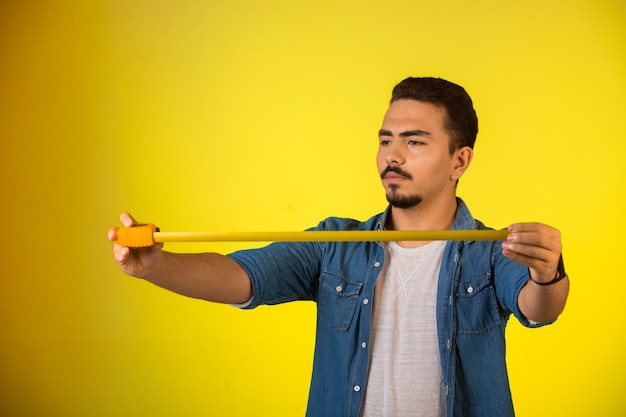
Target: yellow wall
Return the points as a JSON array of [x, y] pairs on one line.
[[262, 115]]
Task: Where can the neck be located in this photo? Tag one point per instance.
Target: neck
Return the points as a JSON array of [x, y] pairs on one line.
[[438, 215]]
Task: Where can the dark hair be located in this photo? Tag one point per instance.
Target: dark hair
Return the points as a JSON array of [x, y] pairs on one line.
[[461, 121]]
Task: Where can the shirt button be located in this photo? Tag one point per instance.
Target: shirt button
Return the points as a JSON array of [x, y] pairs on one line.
[[446, 390], [366, 301], [450, 301], [376, 264], [448, 344], [456, 257], [363, 345], [357, 388], [338, 288], [470, 290]]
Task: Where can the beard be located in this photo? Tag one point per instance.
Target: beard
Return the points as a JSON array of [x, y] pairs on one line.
[[393, 196], [402, 201]]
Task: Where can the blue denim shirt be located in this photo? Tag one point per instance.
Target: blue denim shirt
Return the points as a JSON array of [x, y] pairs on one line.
[[477, 292]]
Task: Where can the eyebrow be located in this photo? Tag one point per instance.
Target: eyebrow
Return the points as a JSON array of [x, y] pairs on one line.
[[405, 134]]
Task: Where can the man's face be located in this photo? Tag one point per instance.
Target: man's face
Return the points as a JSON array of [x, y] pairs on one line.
[[413, 157]]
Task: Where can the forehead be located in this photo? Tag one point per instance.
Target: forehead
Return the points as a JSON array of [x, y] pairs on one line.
[[411, 114]]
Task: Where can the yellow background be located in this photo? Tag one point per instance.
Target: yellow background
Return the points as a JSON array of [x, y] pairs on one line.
[[262, 115]]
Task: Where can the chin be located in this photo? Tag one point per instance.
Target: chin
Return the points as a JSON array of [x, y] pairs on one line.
[[403, 201]]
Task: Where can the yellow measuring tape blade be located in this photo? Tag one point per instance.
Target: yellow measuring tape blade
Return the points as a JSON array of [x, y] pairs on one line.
[[331, 236]]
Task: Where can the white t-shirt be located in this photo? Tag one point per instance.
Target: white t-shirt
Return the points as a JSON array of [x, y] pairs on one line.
[[404, 377]]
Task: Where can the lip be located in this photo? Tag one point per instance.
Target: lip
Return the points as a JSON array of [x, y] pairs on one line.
[[393, 177]]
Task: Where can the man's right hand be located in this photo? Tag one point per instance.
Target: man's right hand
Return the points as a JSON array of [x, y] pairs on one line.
[[136, 262]]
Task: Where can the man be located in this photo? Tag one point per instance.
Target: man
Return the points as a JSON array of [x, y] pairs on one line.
[[404, 328]]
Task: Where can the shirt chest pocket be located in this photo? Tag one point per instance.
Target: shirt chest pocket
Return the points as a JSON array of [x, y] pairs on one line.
[[337, 300], [476, 304]]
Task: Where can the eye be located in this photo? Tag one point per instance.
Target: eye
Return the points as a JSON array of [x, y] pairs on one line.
[[413, 142], [385, 142]]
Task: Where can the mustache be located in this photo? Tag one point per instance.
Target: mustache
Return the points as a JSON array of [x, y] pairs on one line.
[[395, 170]]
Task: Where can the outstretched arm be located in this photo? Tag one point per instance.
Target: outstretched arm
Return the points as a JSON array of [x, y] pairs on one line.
[[538, 246], [208, 276]]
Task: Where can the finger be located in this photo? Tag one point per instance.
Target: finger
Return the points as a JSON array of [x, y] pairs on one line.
[[541, 263], [530, 252], [525, 227], [120, 254], [530, 227], [127, 220], [531, 239], [540, 260], [535, 234], [529, 261], [112, 234]]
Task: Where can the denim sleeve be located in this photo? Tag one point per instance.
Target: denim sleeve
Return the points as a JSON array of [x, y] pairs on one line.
[[282, 272], [510, 277]]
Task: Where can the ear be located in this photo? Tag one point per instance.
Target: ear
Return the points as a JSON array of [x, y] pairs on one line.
[[461, 160]]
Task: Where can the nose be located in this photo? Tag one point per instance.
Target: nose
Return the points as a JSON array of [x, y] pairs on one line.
[[394, 155]]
